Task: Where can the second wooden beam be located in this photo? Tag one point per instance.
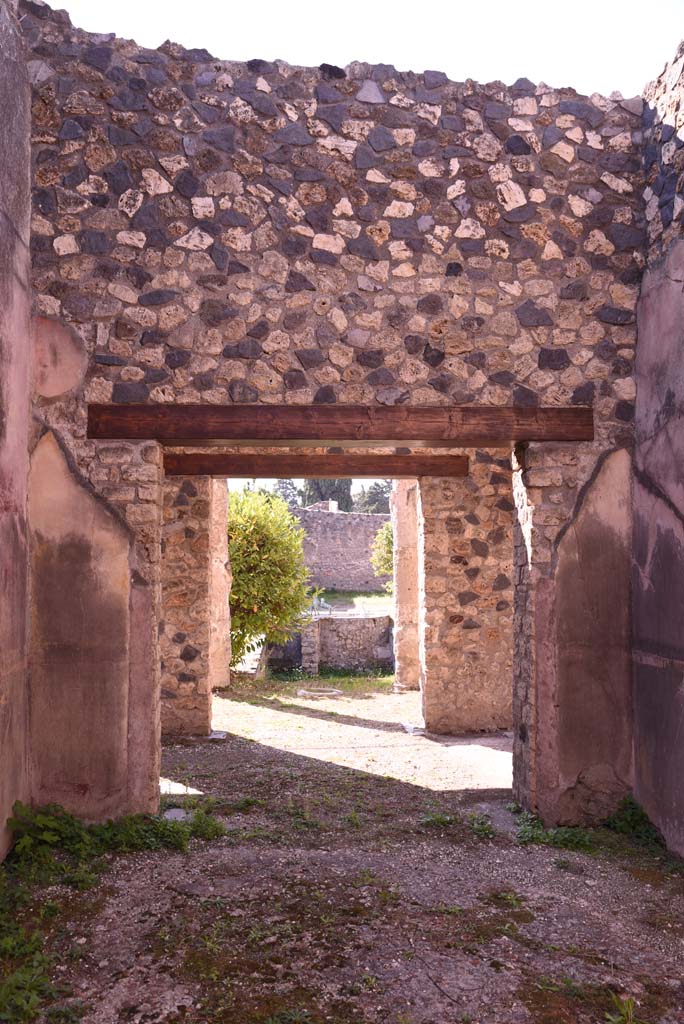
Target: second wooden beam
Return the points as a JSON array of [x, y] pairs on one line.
[[331, 467]]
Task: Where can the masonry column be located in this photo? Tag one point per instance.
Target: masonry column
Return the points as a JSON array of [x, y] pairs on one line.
[[465, 589], [572, 756], [15, 162], [195, 637], [404, 510], [94, 612]]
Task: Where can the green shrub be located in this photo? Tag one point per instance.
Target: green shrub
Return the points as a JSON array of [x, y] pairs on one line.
[[270, 595], [382, 554]]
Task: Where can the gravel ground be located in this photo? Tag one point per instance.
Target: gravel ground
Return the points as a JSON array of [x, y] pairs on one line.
[[370, 874]]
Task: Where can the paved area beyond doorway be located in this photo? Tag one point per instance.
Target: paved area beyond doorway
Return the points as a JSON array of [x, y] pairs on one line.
[[380, 733]]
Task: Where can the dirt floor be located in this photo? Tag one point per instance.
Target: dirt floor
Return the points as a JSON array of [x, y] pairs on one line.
[[370, 874]]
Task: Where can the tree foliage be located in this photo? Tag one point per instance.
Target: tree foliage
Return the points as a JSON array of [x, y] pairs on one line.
[[288, 492], [375, 499], [381, 554], [270, 595], [328, 490]]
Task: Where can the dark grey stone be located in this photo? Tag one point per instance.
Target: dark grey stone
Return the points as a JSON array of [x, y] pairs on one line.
[[381, 140], [187, 184], [381, 376], [364, 157], [334, 115], [575, 290], [158, 297], [241, 392], [496, 111], [203, 381], [582, 111], [452, 122], [530, 315], [503, 378], [553, 359], [220, 138], [127, 392], [363, 247], [94, 242], [550, 136], [294, 380], [213, 312], [371, 358], [516, 145], [332, 71], [433, 356], [434, 79], [615, 315], [70, 129], [293, 135], [430, 304], [326, 93], [297, 282], [177, 358], [310, 357]]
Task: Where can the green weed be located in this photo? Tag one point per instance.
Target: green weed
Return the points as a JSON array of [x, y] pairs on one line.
[[632, 821], [531, 831], [54, 847], [437, 820], [481, 826], [624, 1011]]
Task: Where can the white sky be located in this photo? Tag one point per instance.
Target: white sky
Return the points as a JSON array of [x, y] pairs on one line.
[[592, 45]]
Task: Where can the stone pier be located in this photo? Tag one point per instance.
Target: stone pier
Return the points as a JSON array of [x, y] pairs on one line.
[[404, 511], [195, 633], [465, 550]]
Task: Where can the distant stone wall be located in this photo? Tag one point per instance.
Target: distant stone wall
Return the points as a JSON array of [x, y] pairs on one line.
[[337, 548], [355, 642], [338, 642]]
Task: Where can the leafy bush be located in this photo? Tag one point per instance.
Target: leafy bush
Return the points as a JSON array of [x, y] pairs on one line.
[[382, 554], [270, 595]]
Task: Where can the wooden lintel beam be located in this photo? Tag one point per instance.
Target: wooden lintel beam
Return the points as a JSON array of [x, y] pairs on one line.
[[487, 426], [332, 467]]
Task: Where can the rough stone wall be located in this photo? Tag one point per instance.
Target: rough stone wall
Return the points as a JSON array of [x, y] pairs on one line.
[[223, 232], [195, 635], [14, 412], [465, 580], [337, 548], [353, 642], [404, 512], [658, 559]]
